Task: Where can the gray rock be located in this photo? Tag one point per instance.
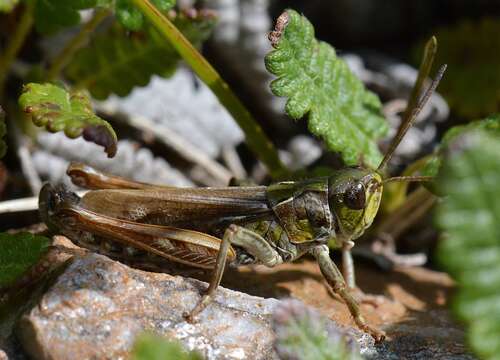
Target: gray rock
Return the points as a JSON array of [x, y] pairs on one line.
[[98, 306]]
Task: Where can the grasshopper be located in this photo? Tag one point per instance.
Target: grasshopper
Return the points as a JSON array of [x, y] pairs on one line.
[[211, 227]]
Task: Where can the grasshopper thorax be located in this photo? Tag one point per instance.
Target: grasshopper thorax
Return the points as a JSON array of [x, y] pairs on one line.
[[354, 196]]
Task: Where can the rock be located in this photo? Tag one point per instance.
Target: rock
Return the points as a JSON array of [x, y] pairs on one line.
[[98, 306], [3, 355]]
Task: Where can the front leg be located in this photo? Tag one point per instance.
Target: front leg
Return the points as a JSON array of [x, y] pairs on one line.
[[336, 281], [348, 265]]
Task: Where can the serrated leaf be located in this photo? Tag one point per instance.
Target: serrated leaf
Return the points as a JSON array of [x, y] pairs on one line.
[[18, 252], [116, 62], [490, 124], [3, 131], [470, 217], [152, 347], [59, 110], [131, 17], [54, 15], [301, 334], [320, 86], [128, 15], [7, 5]]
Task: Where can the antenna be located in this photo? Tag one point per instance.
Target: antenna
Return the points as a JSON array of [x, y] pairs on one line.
[[415, 105], [409, 178], [408, 122]]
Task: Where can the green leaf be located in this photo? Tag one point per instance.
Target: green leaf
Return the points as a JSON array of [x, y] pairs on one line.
[[54, 15], [7, 5], [59, 110], [3, 131], [18, 252], [490, 124], [116, 62], [130, 17], [470, 250], [320, 86], [301, 334], [152, 347]]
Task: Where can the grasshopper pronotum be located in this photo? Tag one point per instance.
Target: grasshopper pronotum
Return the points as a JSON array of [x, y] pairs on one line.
[[211, 227]]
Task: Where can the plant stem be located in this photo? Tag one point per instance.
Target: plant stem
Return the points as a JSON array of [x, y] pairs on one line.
[[257, 141], [16, 43], [62, 59]]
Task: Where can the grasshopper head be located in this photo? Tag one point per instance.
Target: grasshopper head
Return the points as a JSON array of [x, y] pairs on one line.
[[354, 198], [354, 193], [51, 200]]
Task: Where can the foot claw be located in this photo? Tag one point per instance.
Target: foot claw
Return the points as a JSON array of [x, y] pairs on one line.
[[376, 334], [189, 317]]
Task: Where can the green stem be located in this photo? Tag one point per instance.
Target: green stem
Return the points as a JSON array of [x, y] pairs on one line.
[[66, 54], [257, 141], [15, 44]]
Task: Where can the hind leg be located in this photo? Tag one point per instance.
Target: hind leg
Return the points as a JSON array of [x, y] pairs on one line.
[[253, 243], [87, 177]]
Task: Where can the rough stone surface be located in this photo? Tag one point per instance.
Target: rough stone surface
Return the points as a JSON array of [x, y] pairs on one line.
[[97, 307]]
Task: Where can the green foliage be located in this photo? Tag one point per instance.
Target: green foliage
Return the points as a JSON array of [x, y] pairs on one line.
[[7, 5], [490, 124], [320, 85], [116, 62], [301, 334], [470, 249], [18, 253], [54, 15], [59, 110], [131, 17], [473, 79], [3, 131], [152, 347]]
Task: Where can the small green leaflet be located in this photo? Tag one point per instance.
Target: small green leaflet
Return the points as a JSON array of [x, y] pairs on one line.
[[54, 15], [59, 110], [153, 347], [18, 252], [116, 60], [320, 86], [7, 5], [469, 215], [3, 131], [491, 124], [131, 17], [302, 334]]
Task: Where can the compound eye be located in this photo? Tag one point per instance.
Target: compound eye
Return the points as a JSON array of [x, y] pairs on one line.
[[354, 197]]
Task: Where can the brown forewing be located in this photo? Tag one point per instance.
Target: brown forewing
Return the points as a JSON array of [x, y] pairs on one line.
[[191, 208]]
